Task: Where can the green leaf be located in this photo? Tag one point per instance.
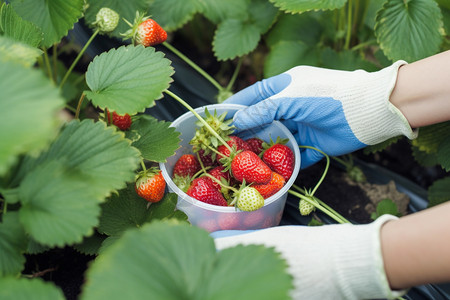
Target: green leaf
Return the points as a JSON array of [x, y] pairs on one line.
[[128, 79], [443, 154], [25, 289], [234, 38], [54, 17], [17, 52], [166, 209], [58, 205], [28, 112], [430, 137], [170, 260], [90, 245], [18, 29], [409, 30], [299, 6], [262, 14], [173, 14], [218, 10], [386, 206], [125, 9], [123, 211], [288, 54], [157, 140], [298, 27], [381, 146], [439, 192], [13, 243], [102, 154], [423, 158]]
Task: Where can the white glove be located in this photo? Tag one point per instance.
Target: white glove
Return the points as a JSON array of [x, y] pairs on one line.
[[335, 111], [341, 261]]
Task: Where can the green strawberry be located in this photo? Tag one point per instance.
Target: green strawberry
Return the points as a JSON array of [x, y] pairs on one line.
[[305, 207], [106, 20], [249, 199]]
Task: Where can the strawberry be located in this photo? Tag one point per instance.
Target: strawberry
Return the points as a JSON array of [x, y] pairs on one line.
[[219, 173], [150, 185], [249, 199], [254, 219], [280, 158], [186, 165], [274, 185], [305, 207], [145, 31], [235, 141], [123, 122], [106, 20], [203, 190], [246, 165], [255, 144], [206, 159], [228, 221]]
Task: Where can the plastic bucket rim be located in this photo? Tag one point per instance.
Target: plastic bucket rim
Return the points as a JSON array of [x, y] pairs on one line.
[[228, 209]]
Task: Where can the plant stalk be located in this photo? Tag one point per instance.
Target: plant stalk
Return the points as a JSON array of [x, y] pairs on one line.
[[193, 65], [77, 113], [324, 172], [63, 81], [349, 25], [47, 65], [185, 104], [235, 74]]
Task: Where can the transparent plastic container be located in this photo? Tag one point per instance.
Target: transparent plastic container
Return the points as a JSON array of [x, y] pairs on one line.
[[213, 217]]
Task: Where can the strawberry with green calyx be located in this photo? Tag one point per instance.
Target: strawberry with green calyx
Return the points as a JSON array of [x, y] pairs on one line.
[[246, 165], [205, 159], [150, 184], [236, 143], [145, 31], [221, 175], [272, 187], [203, 190], [279, 157], [106, 20], [186, 165], [305, 207], [123, 122], [248, 198]]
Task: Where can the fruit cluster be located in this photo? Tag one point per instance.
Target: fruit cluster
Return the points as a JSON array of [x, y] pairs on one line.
[[226, 170]]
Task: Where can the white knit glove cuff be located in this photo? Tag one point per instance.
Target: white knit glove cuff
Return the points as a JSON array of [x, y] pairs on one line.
[[364, 97], [327, 262]]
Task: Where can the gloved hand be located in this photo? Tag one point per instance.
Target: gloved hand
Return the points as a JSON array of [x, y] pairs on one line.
[[335, 111], [341, 261]]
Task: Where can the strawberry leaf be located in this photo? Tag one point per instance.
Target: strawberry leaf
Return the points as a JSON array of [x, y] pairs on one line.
[[439, 192], [55, 17], [58, 204], [128, 79], [18, 52], [171, 260], [26, 96], [13, 243], [125, 9], [157, 140], [166, 209], [24, 289], [409, 30], [299, 6], [217, 11], [443, 154], [173, 14], [18, 29], [431, 136], [90, 245]]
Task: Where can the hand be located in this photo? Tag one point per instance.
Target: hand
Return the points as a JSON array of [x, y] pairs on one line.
[[341, 261], [335, 111]]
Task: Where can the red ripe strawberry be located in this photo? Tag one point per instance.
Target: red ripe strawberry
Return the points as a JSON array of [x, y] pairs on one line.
[[203, 190], [122, 122], [255, 145], [146, 32], [218, 173], [239, 143], [186, 165], [246, 165], [150, 185], [229, 221], [206, 159], [280, 159], [275, 184]]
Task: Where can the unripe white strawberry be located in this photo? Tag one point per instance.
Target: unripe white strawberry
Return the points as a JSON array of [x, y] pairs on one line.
[[305, 207], [249, 199], [106, 20]]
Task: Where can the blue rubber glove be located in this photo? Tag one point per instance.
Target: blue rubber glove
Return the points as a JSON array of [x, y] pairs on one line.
[[335, 111], [340, 261]]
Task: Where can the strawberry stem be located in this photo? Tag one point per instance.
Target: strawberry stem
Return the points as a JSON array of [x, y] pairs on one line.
[[193, 65], [63, 81], [210, 129], [235, 74], [77, 113], [324, 172]]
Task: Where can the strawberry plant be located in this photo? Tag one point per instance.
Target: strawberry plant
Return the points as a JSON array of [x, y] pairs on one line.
[[71, 163]]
